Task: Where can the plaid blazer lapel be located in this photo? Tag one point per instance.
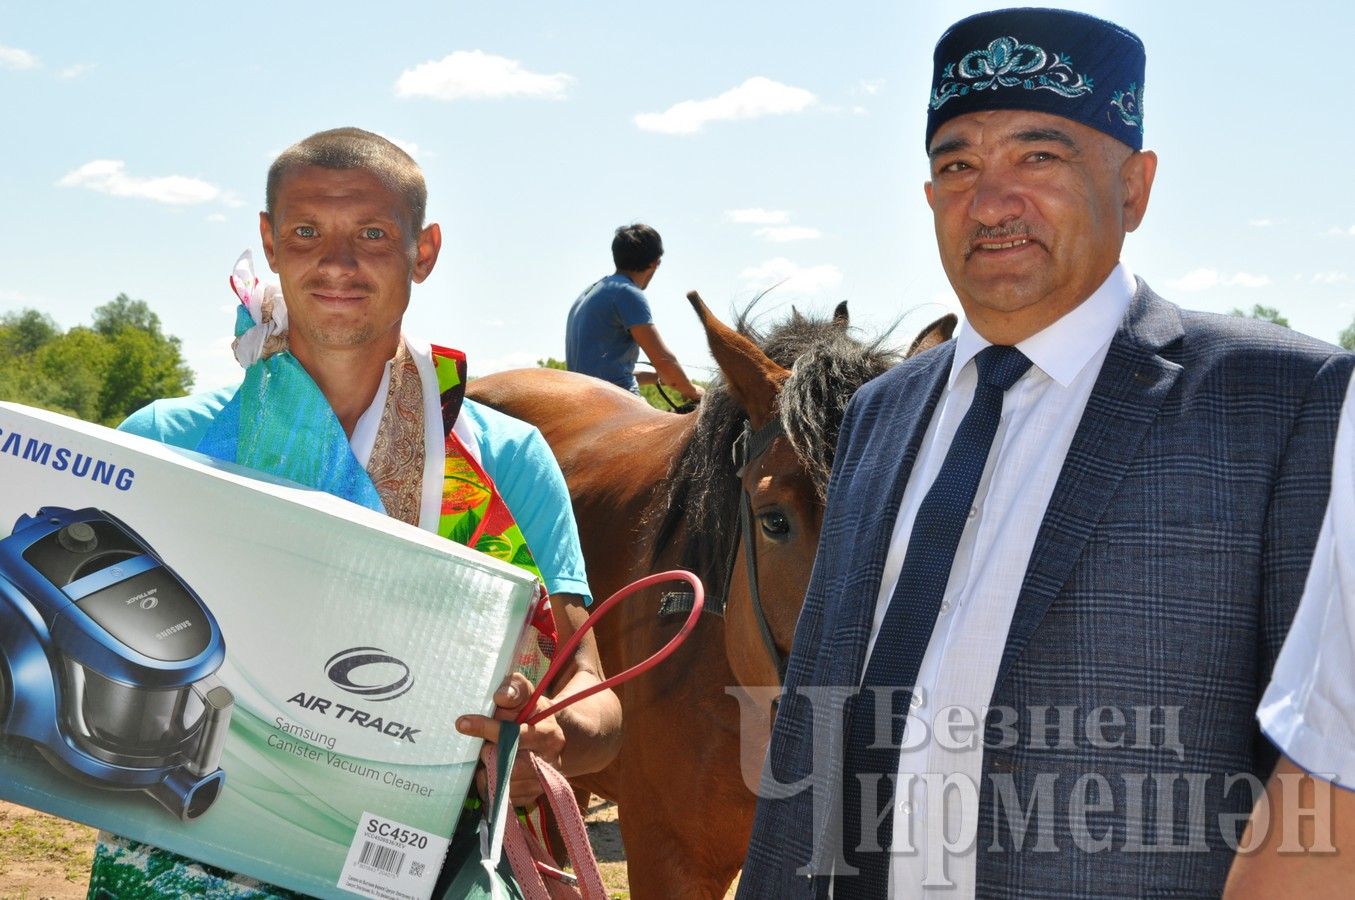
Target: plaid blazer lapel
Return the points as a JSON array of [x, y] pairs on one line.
[[1133, 382], [877, 459], [888, 438]]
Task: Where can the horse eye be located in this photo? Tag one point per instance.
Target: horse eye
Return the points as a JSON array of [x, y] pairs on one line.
[[774, 525]]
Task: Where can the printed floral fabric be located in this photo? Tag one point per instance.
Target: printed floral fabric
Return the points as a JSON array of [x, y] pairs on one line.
[[475, 515], [396, 463]]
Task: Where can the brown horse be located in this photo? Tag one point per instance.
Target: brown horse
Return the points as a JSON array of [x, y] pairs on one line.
[[652, 490]]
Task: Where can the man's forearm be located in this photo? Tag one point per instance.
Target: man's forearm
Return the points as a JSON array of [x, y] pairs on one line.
[[670, 373], [663, 360], [592, 727]]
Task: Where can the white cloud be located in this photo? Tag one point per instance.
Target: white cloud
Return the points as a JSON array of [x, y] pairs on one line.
[[216, 217], [1203, 279], [756, 97], [781, 234], [1342, 232], [475, 75], [868, 87], [15, 297], [757, 216], [1331, 278], [792, 277], [109, 176], [14, 58], [74, 71], [1262, 223]]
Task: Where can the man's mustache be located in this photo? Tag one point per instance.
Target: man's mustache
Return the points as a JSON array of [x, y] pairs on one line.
[[348, 288], [986, 234]]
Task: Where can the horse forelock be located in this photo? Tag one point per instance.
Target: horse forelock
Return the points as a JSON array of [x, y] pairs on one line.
[[828, 364]]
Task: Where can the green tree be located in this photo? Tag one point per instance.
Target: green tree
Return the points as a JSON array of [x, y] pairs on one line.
[[124, 312], [1264, 313], [77, 362], [100, 374], [24, 331], [139, 371], [1347, 337], [25, 385]]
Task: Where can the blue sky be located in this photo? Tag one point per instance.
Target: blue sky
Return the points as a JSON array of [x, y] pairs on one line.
[[765, 140]]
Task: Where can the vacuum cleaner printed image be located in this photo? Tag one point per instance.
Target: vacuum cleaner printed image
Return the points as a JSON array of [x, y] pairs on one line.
[[108, 660]]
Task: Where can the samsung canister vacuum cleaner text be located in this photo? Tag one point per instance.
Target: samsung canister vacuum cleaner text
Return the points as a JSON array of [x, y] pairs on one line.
[[63, 459], [307, 751]]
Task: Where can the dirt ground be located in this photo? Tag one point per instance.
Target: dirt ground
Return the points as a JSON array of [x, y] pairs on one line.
[[46, 858], [604, 833], [42, 856]]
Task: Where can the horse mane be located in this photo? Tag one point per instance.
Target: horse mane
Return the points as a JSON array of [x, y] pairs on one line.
[[828, 364]]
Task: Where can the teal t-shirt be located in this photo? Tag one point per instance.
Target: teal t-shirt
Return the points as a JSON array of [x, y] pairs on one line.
[[513, 453]]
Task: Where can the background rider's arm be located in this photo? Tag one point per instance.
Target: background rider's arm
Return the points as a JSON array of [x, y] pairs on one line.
[[1283, 865], [664, 362]]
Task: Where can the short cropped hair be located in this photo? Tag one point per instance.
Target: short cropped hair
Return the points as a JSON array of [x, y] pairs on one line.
[[636, 247], [353, 148]]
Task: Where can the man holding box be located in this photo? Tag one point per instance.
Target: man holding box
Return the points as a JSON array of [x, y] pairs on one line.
[[336, 397]]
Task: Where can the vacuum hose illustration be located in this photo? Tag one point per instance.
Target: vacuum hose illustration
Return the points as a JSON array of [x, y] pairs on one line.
[[108, 660]]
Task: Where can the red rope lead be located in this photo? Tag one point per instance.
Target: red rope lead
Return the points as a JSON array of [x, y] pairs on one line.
[[526, 716]]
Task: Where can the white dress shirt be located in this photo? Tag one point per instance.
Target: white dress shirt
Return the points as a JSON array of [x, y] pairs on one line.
[[955, 683], [1309, 708]]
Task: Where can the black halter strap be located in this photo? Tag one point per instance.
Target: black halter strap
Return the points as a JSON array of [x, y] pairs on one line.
[[748, 447]]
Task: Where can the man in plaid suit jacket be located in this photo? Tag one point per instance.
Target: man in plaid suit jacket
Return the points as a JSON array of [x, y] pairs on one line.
[[1118, 751]]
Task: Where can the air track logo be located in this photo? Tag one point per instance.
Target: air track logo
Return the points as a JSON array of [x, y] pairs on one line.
[[369, 672]]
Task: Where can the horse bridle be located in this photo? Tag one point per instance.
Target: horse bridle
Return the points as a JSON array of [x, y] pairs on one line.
[[748, 447]]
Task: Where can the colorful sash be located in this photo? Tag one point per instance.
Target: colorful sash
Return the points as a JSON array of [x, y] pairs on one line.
[[475, 515], [279, 422]]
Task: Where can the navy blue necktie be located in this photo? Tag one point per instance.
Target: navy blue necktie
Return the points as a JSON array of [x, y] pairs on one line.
[[907, 628]]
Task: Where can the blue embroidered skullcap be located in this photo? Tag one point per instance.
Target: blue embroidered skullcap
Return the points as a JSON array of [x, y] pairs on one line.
[[1054, 61]]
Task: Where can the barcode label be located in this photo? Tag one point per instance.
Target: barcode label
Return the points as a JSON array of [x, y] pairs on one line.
[[386, 859], [391, 861]]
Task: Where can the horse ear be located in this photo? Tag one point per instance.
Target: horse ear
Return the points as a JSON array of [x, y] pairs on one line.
[[753, 379], [840, 317], [934, 334]]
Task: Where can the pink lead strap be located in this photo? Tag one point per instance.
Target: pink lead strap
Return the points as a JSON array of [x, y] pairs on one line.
[[529, 715]]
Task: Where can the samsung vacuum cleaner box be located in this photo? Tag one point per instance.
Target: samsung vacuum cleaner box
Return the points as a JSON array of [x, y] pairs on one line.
[[255, 675]]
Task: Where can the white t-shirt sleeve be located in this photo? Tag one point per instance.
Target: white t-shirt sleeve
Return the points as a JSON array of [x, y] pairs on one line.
[[1309, 708]]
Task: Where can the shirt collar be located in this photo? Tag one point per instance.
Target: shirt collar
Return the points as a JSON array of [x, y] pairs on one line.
[[1065, 347]]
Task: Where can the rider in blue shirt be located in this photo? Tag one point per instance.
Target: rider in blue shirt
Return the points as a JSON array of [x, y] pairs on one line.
[[610, 323]]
